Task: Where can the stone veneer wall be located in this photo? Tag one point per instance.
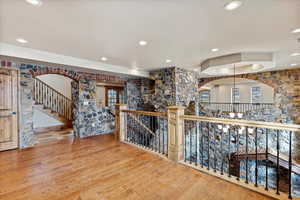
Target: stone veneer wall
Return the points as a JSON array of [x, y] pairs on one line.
[[286, 84], [89, 119], [167, 87]]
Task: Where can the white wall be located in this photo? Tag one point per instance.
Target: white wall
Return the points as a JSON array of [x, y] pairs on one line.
[[60, 83], [221, 91]]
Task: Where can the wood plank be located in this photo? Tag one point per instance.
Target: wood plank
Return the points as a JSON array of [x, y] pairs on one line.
[[100, 167], [245, 123], [158, 114]]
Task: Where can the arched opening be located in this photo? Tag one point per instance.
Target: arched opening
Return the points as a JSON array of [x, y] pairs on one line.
[[250, 97], [247, 91], [53, 109]]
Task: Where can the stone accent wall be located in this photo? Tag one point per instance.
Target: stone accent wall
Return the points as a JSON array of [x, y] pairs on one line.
[[166, 87], [89, 119], [286, 84]]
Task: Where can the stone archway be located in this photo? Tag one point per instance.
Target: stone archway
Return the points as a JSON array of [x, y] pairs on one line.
[[47, 70], [286, 84]]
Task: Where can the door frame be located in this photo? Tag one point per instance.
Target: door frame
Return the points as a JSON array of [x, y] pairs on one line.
[[18, 103]]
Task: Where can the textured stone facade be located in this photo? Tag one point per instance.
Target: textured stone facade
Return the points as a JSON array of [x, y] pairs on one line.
[[167, 87], [89, 119]]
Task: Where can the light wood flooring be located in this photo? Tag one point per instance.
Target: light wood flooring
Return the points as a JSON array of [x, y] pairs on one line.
[[100, 168]]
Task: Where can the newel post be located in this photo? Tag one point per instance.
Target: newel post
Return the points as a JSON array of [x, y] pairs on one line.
[[175, 133], [120, 122]]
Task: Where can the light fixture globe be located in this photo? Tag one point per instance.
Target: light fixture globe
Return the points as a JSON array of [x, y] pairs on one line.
[[35, 2]]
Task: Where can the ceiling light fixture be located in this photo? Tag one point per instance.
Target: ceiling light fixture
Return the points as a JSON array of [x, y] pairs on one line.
[[233, 5], [215, 50], [104, 59], [296, 30], [34, 2], [142, 42], [294, 64], [295, 54], [168, 61], [21, 40]]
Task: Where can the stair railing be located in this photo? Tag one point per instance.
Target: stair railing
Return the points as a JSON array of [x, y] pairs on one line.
[[52, 99]]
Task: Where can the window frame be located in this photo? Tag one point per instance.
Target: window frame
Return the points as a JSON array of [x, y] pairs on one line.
[[252, 94], [232, 93]]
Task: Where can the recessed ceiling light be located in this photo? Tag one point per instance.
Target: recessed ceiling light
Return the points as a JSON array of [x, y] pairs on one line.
[[215, 50], [294, 64], [104, 59], [295, 54], [21, 40], [34, 2], [143, 42], [296, 30], [168, 61], [233, 5]]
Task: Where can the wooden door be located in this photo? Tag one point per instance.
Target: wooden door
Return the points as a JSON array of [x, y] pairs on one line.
[[8, 109]]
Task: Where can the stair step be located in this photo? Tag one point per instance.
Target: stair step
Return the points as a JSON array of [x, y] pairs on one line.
[[51, 136]]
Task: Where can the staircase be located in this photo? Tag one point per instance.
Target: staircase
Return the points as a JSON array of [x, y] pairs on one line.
[[53, 103]]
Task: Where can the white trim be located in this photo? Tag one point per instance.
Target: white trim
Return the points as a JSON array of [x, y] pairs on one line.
[[44, 56]]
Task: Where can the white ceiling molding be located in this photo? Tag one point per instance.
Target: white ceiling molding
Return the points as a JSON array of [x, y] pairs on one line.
[[245, 62], [48, 57]]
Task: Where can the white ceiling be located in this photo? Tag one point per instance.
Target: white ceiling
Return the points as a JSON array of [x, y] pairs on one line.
[[183, 31]]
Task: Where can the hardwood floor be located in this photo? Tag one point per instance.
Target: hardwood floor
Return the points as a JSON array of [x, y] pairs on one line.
[[100, 168]]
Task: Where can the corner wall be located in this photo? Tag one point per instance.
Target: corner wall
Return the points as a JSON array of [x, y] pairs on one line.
[[89, 119]]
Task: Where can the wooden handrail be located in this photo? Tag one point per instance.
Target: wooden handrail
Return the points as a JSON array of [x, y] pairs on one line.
[[158, 114], [52, 99], [241, 122]]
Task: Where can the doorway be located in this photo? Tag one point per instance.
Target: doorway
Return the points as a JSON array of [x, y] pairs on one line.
[[9, 96]]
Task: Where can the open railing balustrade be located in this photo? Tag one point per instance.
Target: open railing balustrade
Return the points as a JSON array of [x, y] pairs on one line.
[[147, 129], [253, 154], [249, 151], [235, 107]]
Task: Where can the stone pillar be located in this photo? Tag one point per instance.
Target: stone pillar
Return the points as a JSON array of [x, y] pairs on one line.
[[120, 122], [175, 133]]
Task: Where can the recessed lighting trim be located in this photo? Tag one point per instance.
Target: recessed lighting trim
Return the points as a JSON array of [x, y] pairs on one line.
[[143, 43], [34, 2], [233, 5], [104, 59], [295, 54], [294, 64], [296, 30], [215, 49], [21, 40], [168, 61]]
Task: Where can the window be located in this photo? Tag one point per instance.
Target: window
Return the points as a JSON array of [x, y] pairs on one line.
[[256, 95], [235, 95], [114, 95], [205, 96]]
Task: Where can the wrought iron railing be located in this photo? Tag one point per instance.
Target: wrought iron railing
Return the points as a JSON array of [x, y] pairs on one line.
[[52, 99], [249, 152], [147, 129], [234, 107]]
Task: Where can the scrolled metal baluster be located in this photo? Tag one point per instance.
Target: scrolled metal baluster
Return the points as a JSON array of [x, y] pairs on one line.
[[290, 164], [208, 145], [256, 159], [277, 164], [267, 159]]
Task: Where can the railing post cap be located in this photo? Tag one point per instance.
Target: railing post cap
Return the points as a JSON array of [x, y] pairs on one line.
[[176, 107], [120, 104]]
